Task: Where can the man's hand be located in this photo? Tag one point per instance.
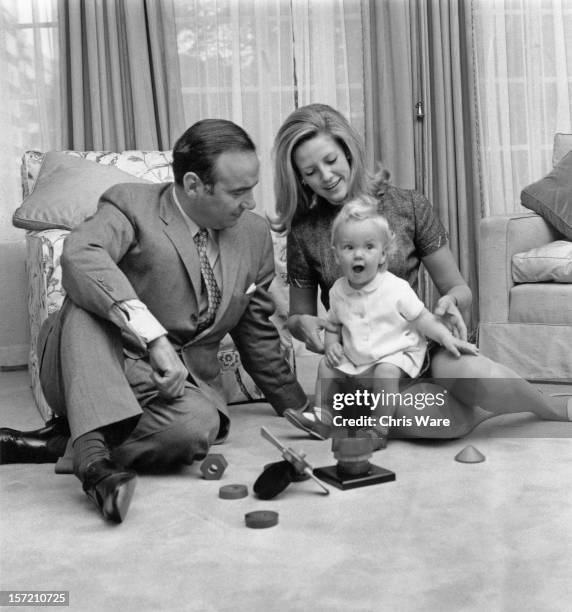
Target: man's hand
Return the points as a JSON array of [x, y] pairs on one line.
[[169, 372], [308, 328], [449, 314]]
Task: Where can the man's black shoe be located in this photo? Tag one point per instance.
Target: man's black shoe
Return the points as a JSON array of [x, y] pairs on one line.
[[110, 487], [44, 445]]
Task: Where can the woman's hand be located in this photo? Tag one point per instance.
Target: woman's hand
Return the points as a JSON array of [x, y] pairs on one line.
[[447, 278], [334, 355], [449, 314], [308, 329]]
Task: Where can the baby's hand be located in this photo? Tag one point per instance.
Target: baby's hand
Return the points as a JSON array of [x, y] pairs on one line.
[[334, 354], [457, 346]]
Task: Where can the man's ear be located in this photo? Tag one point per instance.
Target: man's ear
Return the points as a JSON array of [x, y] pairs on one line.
[[191, 183]]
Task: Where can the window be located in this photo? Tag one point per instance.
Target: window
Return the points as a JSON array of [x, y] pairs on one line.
[[255, 61], [29, 96], [524, 91]]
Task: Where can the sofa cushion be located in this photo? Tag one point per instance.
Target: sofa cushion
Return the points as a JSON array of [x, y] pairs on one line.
[[562, 144], [541, 304], [551, 197], [66, 192], [550, 262]]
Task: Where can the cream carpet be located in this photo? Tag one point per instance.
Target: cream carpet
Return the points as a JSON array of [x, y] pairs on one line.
[[493, 536]]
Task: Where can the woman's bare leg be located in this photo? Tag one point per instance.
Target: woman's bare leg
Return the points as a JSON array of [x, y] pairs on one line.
[[479, 381]]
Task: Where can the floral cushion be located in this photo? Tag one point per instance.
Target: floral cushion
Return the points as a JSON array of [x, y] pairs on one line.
[[46, 294], [66, 192], [155, 166]]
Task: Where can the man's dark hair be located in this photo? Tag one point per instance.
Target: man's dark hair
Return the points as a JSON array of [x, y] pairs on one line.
[[198, 149]]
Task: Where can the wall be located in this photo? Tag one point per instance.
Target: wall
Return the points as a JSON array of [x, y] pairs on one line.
[[14, 329]]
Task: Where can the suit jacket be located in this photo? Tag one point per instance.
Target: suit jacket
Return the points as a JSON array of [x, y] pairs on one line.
[[137, 246]]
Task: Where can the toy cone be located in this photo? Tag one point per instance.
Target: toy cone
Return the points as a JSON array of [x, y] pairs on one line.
[[470, 455]]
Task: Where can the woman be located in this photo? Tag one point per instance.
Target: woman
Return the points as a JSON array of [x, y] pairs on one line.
[[319, 165]]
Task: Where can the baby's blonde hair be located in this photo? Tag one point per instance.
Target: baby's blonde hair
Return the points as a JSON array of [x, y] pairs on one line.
[[362, 208]]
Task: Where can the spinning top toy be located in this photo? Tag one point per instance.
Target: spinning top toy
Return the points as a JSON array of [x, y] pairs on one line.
[[353, 468], [277, 476]]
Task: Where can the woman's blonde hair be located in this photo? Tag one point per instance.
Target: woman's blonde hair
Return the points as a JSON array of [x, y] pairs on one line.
[[293, 198], [363, 208]]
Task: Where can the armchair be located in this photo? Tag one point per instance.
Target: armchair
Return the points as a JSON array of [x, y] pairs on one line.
[[528, 325], [59, 192]]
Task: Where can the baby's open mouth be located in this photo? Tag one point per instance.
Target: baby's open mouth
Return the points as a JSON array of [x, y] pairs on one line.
[[358, 268]]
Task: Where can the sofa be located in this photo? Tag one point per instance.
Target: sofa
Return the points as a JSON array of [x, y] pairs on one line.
[[525, 277], [60, 189]]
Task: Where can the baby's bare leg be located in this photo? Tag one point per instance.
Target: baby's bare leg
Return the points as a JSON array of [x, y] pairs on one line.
[[327, 383], [385, 384]]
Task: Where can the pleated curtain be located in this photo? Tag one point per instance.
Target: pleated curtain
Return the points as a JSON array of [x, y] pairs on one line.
[[421, 115], [120, 75]]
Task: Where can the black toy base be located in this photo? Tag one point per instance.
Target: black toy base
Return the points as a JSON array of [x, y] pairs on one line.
[[375, 475]]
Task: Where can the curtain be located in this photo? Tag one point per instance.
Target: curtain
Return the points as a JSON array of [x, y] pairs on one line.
[[422, 115], [29, 119], [255, 61], [119, 75], [391, 89], [524, 75], [29, 104]]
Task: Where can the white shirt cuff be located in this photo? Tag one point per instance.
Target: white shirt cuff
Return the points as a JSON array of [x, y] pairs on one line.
[[135, 316]]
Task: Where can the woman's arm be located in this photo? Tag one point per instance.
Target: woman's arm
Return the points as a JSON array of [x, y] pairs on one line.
[[303, 323], [431, 327], [456, 297]]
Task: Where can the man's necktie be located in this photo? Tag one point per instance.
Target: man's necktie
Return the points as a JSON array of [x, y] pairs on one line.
[[213, 292]]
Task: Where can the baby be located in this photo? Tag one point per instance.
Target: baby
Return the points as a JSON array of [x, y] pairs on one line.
[[382, 324]]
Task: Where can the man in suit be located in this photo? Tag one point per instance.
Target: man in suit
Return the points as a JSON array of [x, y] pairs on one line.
[[154, 280]]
